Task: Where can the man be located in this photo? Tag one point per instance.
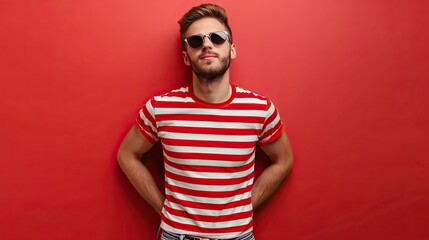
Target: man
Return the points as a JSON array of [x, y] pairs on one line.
[[208, 131]]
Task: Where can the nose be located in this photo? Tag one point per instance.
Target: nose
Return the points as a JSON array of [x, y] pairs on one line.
[[206, 42]]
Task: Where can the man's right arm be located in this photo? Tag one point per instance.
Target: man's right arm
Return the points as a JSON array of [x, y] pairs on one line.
[[129, 158]]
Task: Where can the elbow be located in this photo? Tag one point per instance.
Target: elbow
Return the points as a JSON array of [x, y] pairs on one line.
[[120, 157], [288, 164], [291, 161], [126, 157]]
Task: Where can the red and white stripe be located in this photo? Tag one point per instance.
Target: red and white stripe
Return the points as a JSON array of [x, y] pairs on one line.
[[209, 152]]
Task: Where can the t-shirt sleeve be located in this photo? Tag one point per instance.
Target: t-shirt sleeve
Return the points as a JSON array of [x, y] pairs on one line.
[[146, 122], [273, 126]]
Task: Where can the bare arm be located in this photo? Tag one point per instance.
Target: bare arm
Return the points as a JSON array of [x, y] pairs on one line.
[[131, 150], [267, 183]]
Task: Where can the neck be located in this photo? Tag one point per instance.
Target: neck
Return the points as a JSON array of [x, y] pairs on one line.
[[216, 91]]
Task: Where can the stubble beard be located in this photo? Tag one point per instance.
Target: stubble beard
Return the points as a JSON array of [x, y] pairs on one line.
[[212, 74]]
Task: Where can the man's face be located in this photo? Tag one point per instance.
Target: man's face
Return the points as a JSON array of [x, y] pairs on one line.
[[210, 61]]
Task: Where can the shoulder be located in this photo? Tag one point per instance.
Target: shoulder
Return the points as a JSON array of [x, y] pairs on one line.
[[179, 92], [175, 95], [250, 95], [172, 99]]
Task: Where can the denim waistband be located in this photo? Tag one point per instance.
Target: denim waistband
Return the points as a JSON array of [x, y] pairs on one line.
[[173, 236]]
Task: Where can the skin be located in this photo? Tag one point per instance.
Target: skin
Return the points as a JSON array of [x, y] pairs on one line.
[[208, 58]]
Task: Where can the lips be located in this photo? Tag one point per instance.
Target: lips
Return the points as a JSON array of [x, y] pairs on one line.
[[208, 56]]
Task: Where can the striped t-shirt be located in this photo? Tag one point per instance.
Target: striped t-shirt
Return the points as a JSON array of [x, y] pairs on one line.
[[209, 156]]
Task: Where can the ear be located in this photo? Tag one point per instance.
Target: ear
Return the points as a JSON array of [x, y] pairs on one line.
[[186, 58], [233, 51]]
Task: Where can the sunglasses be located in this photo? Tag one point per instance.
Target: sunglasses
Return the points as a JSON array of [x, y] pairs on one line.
[[217, 38]]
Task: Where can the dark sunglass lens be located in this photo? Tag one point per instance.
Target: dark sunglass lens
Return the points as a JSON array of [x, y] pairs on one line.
[[218, 37], [195, 41]]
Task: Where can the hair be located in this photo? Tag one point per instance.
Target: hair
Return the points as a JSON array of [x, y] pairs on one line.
[[203, 11]]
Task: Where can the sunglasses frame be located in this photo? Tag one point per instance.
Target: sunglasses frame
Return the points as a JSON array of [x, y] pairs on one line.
[[202, 36]]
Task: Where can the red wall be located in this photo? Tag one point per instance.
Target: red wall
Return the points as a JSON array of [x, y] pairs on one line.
[[350, 78]]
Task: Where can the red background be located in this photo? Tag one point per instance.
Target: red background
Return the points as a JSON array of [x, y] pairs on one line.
[[350, 78]]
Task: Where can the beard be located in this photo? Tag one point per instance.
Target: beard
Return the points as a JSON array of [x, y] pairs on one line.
[[213, 73]]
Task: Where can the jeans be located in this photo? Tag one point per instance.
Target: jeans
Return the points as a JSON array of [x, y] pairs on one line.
[[172, 236]]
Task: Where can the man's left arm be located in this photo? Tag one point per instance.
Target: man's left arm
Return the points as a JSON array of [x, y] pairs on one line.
[[280, 154]]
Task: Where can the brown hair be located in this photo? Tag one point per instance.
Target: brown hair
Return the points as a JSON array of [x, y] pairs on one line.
[[202, 11]]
